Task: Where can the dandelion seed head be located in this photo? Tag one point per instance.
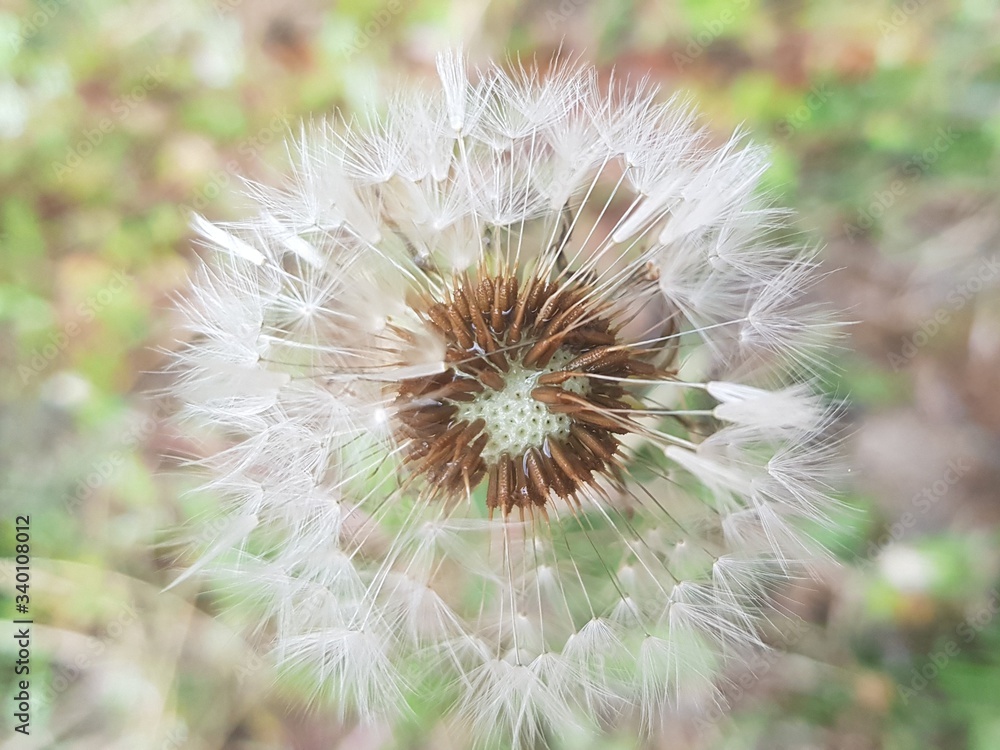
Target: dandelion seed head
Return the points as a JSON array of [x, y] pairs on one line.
[[517, 388], [515, 407]]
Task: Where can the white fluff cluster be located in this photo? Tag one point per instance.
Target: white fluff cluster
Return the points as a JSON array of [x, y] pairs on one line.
[[631, 602]]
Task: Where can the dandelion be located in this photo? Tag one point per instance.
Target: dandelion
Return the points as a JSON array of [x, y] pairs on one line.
[[516, 387]]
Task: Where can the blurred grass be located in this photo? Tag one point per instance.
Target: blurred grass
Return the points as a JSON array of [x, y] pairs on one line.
[[117, 118]]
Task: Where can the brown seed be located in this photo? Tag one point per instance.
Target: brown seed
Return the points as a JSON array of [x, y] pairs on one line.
[[584, 455], [472, 465], [426, 417], [499, 359], [565, 320], [524, 494], [492, 378], [547, 394], [559, 481], [557, 378], [589, 337], [473, 477], [538, 292], [564, 402], [505, 486], [439, 317], [540, 354], [563, 305], [500, 306], [591, 442], [597, 419], [460, 328], [492, 489], [638, 367], [440, 449], [484, 294], [510, 292], [461, 389], [607, 402], [597, 358], [463, 438], [565, 459], [417, 448], [610, 442], [517, 322], [538, 481], [461, 304], [483, 335], [446, 474], [549, 307], [608, 388]]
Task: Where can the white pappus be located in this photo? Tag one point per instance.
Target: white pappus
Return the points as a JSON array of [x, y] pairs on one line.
[[515, 381]]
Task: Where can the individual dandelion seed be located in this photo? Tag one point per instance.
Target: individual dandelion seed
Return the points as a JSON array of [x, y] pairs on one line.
[[516, 381]]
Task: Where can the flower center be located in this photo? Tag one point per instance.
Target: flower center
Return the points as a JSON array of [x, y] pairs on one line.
[[519, 404], [516, 421]]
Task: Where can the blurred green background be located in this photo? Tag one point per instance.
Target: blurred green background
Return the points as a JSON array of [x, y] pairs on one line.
[[117, 119]]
